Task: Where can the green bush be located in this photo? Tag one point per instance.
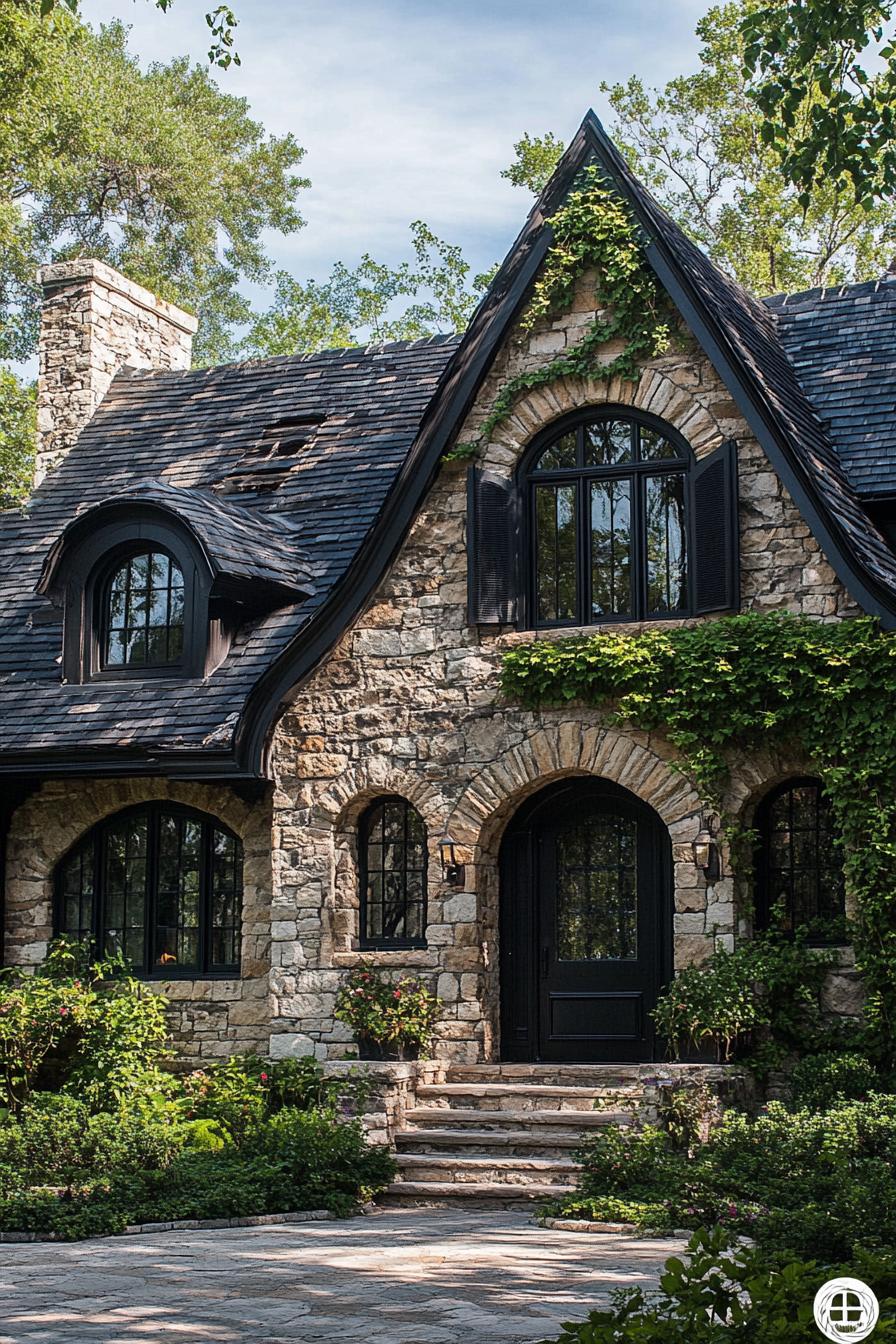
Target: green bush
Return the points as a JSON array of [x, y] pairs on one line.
[[391, 1012], [813, 1183], [824, 1080], [727, 1294]]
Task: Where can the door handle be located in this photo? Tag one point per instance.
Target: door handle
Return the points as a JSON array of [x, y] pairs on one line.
[[545, 959]]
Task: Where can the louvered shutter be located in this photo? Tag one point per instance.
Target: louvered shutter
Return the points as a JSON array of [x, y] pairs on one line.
[[716, 566], [492, 549]]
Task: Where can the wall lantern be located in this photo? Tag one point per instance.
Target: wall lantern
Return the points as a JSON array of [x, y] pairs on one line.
[[706, 854], [452, 868]]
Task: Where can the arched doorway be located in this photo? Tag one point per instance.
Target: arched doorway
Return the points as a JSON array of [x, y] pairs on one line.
[[585, 925]]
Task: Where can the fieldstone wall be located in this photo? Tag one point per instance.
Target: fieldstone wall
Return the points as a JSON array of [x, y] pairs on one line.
[[408, 703], [209, 1017], [93, 321]]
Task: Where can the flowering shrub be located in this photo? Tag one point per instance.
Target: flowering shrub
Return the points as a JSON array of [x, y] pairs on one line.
[[401, 1012]]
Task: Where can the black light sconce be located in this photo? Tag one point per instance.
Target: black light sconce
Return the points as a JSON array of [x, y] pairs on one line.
[[452, 868], [707, 855]]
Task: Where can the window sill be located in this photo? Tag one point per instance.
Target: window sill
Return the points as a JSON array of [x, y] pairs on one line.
[[423, 957], [511, 637]]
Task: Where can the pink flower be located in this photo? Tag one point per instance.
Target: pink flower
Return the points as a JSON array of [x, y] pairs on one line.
[[396, 994], [63, 1012], [264, 1077]]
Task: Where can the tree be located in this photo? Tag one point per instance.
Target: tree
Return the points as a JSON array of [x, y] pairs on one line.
[[373, 302], [698, 145], [536, 157], [17, 430], [827, 117], [159, 173], [221, 21]]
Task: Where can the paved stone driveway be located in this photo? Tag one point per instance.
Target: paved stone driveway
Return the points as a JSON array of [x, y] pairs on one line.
[[417, 1276]]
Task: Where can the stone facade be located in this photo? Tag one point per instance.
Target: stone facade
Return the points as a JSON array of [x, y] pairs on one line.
[[209, 1017], [408, 703], [93, 322]]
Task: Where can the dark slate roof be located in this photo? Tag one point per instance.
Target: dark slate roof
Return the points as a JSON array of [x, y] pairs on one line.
[[188, 430], [842, 345], [238, 542]]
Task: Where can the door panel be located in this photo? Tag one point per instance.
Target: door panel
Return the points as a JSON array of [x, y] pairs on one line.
[[585, 877]]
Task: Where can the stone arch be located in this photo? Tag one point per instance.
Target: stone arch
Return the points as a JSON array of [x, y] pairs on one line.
[[335, 816], [657, 391], [54, 818]]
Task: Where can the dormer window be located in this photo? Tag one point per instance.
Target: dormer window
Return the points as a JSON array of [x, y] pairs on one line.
[[142, 617]]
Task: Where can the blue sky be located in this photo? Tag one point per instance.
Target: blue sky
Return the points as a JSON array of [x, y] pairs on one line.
[[409, 109]]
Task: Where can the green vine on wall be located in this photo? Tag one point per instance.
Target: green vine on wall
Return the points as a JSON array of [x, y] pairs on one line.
[[592, 230], [724, 688]]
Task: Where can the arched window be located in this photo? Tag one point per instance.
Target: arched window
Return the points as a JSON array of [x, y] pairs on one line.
[[159, 883], [142, 619], [392, 841], [800, 860], [608, 522]]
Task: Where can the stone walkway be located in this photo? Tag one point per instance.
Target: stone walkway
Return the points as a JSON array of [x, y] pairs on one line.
[[415, 1276]]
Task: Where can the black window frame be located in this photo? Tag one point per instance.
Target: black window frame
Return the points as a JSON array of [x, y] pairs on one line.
[[155, 810], [381, 944], [763, 860], [101, 623], [582, 476]]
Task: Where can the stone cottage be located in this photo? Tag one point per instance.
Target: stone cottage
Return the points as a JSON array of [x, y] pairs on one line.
[[253, 620]]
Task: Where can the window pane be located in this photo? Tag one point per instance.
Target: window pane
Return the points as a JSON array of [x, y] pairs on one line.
[[611, 573], [144, 613], [803, 861], [665, 543], [555, 546], [177, 900], [124, 858], [654, 447], [561, 453], [608, 442], [77, 893], [597, 885], [393, 863]]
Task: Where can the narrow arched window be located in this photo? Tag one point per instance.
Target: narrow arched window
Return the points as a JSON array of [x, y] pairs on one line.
[[800, 861], [142, 623], [161, 885], [392, 842], [608, 521]]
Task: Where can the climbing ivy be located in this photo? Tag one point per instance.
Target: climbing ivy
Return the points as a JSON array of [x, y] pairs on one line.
[[593, 229], [723, 688]]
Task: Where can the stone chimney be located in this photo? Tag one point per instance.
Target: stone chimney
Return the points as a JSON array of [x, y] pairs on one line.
[[93, 322]]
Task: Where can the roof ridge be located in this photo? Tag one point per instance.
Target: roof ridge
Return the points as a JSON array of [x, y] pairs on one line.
[[822, 292]]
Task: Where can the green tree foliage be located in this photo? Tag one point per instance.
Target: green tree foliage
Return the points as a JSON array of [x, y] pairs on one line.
[[17, 430], [159, 173], [825, 84], [221, 21], [373, 302], [536, 157], [699, 145]]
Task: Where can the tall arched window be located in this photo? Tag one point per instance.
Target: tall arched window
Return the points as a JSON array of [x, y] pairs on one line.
[[142, 618], [392, 842], [800, 860], [608, 521], [161, 884]]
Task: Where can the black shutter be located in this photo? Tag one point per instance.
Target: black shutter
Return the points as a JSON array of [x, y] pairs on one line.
[[492, 549], [715, 549]]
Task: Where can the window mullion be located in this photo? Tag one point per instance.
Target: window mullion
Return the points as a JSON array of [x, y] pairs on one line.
[[151, 907], [206, 871]]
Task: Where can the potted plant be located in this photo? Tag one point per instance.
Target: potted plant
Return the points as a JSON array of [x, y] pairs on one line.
[[393, 1019]]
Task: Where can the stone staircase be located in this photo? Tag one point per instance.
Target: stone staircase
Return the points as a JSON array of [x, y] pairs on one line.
[[504, 1134]]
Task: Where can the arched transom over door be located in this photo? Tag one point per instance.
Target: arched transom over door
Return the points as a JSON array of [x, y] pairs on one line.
[[585, 925]]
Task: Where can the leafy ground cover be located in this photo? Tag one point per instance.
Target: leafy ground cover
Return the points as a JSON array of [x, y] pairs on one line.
[[97, 1132]]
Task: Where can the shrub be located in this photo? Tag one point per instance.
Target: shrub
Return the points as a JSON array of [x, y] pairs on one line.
[[738, 1294], [821, 1081], [400, 1012], [87, 1027]]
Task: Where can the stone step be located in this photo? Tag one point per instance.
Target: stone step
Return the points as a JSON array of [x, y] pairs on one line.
[[541, 1142], [516, 1096], [597, 1076], [463, 1169], [476, 1194], [448, 1116]]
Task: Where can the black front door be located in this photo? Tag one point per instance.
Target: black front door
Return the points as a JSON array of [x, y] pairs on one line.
[[585, 915]]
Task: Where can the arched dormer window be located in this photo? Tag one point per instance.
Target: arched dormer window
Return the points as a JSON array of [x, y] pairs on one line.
[[141, 615], [392, 846], [610, 517], [159, 883], [800, 861]]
